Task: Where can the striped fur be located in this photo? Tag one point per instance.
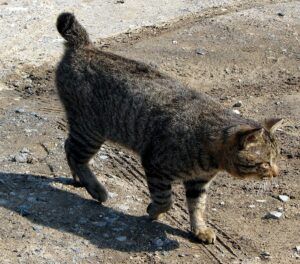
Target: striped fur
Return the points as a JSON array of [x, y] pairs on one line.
[[179, 133]]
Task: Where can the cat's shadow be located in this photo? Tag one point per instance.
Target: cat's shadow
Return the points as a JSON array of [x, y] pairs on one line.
[[45, 204]]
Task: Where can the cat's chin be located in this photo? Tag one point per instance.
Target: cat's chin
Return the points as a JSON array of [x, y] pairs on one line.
[[251, 177]]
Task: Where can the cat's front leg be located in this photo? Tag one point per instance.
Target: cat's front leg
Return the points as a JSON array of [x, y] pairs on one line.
[[160, 191], [196, 200]]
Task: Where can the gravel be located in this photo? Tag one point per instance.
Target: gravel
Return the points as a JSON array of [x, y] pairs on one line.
[[274, 215], [284, 198]]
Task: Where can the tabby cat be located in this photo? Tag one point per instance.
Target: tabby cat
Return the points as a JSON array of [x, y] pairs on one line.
[[180, 134]]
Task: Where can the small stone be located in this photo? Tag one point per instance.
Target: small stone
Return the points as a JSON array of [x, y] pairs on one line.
[[112, 195], [280, 14], [37, 228], [238, 104], [222, 203], [280, 209], [25, 150], [273, 215], [121, 238], [251, 206], [21, 158], [265, 255], [20, 110], [297, 248], [181, 255], [124, 207], [261, 201], [120, 2], [283, 198], [200, 51], [174, 42], [103, 157], [236, 111], [158, 242]]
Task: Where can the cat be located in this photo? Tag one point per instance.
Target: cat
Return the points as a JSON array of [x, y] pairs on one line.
[[180, 134]]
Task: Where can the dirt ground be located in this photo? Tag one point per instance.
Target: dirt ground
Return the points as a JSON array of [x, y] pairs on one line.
[[249, 53]]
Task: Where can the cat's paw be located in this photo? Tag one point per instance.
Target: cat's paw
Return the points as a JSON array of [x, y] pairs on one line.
[[156, 212], [206, 235], [98, 192]]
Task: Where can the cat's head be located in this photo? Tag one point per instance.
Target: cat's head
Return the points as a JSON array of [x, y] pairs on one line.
[[252, 151]]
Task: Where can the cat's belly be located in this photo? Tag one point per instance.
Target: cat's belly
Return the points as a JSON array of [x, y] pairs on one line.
[[198, 173]]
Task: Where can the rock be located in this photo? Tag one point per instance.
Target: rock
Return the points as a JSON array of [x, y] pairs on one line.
[[121, 238], [181, 255], [238, 104], [123, 207], [222, 203], [20, 110], [261, 201], [236, 111], [297, 248], [21, 158], [280, 209], [251, 206], [174, 42], [37, 228], [120, 2], [280, 14], [273, 215], [200, 51], [158, 242], [283, 198], [103, 157], [265, 255], [25, 150]]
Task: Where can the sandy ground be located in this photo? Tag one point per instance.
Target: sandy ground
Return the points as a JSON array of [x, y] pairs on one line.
[[247, 52]]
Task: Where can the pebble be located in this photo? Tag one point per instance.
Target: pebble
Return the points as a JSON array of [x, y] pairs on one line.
[[273, 215], [283, 198], [238, 104], [124, 207], [222, 203], [103, 157], [20, 110], [265, 255], [25, 150], [200, 51], [280, 14], [21, 158], [297, 248], [121, 238], [120, 2], [236, 111], [174, 42], [251, 206], [37, 228], [261, 201], [158, 242]]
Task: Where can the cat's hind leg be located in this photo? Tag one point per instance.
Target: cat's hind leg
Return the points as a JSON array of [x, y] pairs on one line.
[[161, 194], [196, 200], [79, 150]]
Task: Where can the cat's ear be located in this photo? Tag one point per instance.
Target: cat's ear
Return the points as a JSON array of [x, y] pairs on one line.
[[272, 124], [251, 137]]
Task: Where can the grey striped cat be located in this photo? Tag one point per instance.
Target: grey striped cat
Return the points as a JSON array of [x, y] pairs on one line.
[[180, 134]]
